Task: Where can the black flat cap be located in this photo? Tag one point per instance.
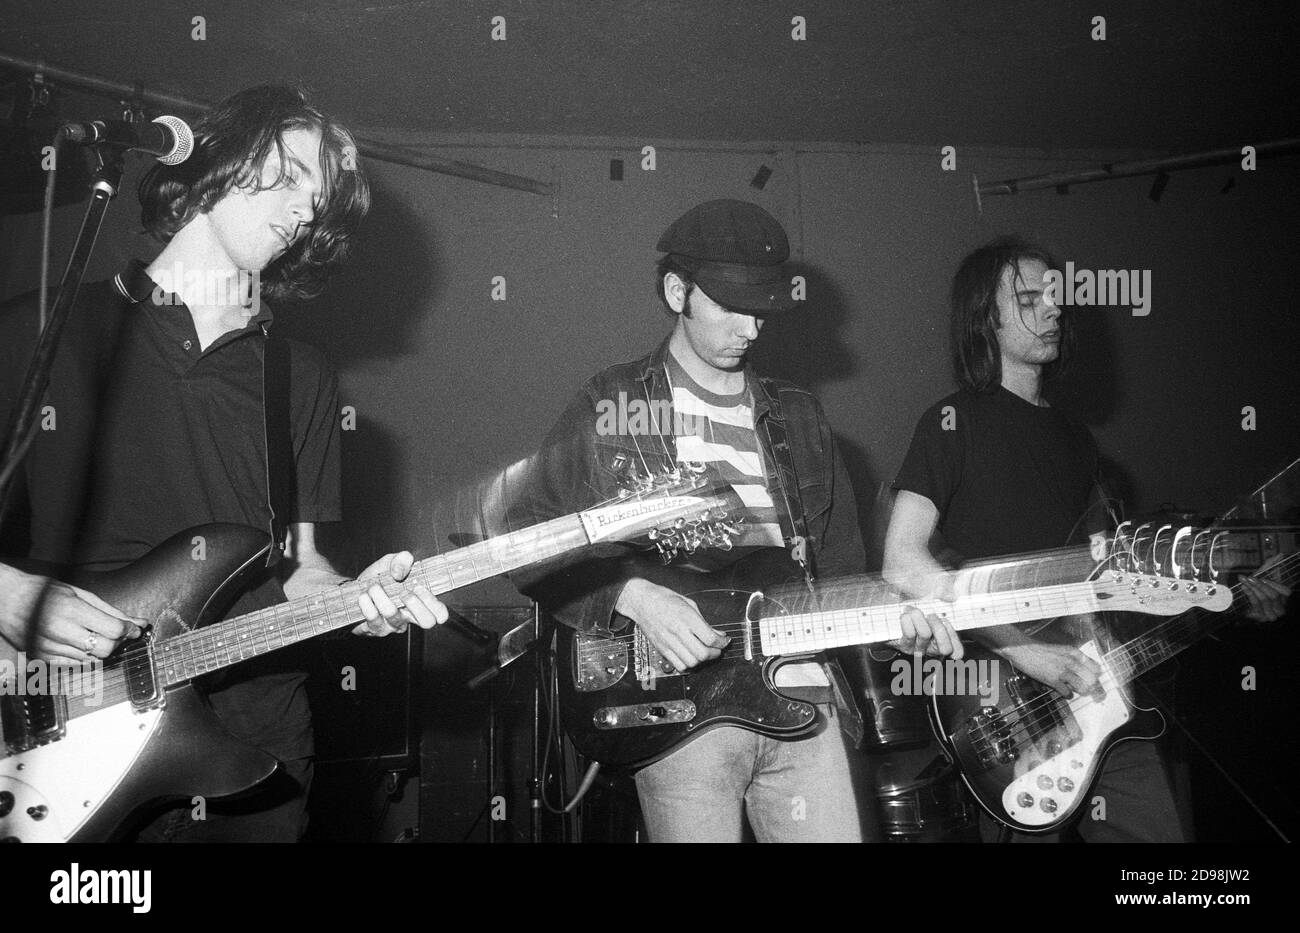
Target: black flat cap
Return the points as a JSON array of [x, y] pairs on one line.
[[736, 253]]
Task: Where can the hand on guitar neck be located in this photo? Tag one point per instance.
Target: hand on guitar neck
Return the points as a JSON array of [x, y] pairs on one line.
[[1267, 597], [307, 571], [56, 621], [383, 615]]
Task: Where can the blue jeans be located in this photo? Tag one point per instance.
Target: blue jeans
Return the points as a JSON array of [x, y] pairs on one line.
[[791, 790]]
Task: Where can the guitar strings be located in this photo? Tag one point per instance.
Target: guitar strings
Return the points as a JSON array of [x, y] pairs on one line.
[[1075, 703], [119, 690], [1109, 680]]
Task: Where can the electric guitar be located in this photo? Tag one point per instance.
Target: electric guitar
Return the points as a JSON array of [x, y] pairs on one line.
[[1030, 758], [82, 756], [622, 703]]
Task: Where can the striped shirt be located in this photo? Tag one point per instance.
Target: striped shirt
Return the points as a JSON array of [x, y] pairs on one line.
[[718, 430]]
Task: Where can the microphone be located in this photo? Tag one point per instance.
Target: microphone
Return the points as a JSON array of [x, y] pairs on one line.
[[168, 138]]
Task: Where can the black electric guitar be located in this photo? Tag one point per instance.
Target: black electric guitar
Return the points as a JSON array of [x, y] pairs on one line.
[[622, 703], [1030, 758], [82, 756]]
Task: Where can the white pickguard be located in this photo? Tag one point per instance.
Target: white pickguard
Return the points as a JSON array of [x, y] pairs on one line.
[[1045, 793], [71, 778]]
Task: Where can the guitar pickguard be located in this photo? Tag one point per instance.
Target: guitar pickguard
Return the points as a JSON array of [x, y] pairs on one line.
[[55, 788], [1055, 766]]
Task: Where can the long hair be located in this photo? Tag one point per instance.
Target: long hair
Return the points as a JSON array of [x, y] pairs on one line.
[[231, 144], [976, 353]]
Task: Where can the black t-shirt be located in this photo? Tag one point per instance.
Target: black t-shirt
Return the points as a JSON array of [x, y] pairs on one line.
[[1005, 475], [147, 436]]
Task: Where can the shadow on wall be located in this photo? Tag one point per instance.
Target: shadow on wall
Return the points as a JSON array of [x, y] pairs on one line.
[[371, 500], [1117, 482], [803, 345], [1089, 387], [371, 310], [872, 510]]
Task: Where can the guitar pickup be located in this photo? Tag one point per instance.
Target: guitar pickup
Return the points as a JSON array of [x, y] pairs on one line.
[[140, 672], [27, 722], [644, 714]]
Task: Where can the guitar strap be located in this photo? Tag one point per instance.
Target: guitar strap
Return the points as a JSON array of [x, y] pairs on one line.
[[841, 691], [279, 441], [787, 481]]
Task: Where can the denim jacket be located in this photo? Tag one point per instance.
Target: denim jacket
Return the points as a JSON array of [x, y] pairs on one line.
[[578, 467]]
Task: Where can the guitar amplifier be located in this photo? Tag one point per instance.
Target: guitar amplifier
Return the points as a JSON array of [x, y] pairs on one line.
[[374, 700], [360, 691]]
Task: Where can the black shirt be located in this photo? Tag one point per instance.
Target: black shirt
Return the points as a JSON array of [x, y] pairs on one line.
[[150, 436], [1005, 475]]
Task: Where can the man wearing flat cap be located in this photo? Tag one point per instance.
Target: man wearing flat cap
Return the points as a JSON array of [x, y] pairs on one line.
[[722, 274]]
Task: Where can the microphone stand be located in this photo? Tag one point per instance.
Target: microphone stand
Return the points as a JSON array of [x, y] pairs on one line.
[[104, 185], [509, 648]]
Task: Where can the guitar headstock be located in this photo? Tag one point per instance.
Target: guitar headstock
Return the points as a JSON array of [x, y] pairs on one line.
[[678, 510], [1158, 595], [714, 528], [1163, 571]]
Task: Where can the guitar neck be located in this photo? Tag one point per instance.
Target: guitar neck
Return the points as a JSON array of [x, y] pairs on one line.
[[248, 636], [875, 615], [1170, 637]]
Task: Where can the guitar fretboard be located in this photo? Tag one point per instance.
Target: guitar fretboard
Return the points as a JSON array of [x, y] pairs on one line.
[[877, 616], [866, 610], [256, 633]]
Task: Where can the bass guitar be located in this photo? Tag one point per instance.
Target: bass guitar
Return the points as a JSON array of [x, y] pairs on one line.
[[1030, 758]]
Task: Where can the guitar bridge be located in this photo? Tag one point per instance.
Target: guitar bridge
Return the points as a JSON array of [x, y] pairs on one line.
[[650, 664], [991, 737], [598, 663]]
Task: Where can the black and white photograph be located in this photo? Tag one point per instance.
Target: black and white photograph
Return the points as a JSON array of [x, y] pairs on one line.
[[650, 421]]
